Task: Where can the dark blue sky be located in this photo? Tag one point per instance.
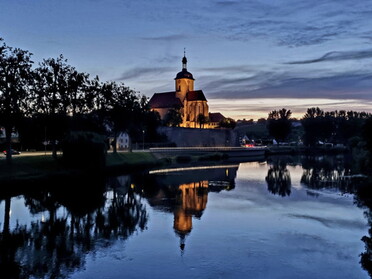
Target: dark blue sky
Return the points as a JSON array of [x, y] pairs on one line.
[[248, 57]]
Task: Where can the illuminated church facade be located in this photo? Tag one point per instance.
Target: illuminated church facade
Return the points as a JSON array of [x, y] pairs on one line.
[[192, 104]]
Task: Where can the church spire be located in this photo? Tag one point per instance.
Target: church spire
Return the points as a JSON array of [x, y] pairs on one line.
[[184, 60]]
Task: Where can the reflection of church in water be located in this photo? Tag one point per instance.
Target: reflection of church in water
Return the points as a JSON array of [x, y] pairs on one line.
[[191, 201], [186, 195]]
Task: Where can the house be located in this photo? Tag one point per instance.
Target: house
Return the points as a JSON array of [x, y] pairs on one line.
[[122, 141]]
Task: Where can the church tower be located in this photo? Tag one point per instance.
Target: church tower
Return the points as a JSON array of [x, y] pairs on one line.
[[184, 81]]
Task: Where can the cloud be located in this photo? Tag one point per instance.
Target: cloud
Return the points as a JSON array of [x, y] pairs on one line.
[[338, 56], [167, 38], [226, 3], [229, 69], [290, 23], [141, 72], [291, 85]]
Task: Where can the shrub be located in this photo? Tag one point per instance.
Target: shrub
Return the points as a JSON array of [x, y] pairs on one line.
[[183, 159], [84, 150]]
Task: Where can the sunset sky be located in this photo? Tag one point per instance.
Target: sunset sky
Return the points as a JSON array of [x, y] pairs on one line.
[[249, 57]]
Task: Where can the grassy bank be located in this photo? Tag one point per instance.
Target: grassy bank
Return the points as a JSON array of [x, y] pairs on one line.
[[31, 167], [27, 168]]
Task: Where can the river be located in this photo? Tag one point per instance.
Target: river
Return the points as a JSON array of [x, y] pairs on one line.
[[281, 218]]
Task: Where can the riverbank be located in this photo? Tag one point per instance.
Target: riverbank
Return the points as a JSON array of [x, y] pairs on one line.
[[40, 167], [27, 168]]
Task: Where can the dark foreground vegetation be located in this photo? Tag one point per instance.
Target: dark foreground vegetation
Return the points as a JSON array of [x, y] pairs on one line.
[[45, 104]]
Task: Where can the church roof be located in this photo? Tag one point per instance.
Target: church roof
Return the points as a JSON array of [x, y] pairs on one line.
[[184, 74], [216, 117], [196, 95], [164, 100]]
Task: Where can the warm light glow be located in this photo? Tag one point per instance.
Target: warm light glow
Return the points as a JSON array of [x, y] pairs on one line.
[[248, 145], [193, 168], [260, 107]]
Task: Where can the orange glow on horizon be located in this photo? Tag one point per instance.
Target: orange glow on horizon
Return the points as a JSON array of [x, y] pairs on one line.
[[260, 107]]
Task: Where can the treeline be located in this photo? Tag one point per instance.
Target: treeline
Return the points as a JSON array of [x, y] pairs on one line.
[[319, 127], [46, 102]]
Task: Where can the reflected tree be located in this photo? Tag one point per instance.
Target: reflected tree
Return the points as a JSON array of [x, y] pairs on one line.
[[328, 172], [278, 179], [364, 199], [72, 223]]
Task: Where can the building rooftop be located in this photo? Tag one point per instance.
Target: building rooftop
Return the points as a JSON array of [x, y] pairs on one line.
[[196, 95], [164, 100], [216, 117]]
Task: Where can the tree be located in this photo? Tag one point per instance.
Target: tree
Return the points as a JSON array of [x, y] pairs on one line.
[[228, 123], [262, 121], [59, 92], [367, 134], [279, 124], [15, 77], [173, 118], [201, 119], [121, 109]]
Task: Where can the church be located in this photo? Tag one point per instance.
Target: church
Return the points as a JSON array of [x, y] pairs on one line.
[[191, 103]]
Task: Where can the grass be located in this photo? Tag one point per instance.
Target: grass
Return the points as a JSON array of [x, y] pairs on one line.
[[30, 167]]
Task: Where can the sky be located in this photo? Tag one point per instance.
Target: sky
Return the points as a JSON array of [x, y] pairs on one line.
[[249, 57]]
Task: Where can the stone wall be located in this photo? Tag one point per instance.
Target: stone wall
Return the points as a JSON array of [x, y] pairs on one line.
[[183, 137]]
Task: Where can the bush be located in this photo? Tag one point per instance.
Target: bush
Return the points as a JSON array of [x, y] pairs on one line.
[[183, 159], [84, 150]]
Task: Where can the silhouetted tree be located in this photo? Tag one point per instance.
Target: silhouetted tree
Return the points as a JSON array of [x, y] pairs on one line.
[[279, 124], [201, 119], [261, 121], [15, 77], [173, 118], [122, 110], [229, 123], [52, 96], [334, 126]]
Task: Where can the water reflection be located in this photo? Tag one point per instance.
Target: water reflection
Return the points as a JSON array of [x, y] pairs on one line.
[[185, 194], [364, 199], [278, 177], [73, 219], [332, 172], [319, 172], [80, 215]]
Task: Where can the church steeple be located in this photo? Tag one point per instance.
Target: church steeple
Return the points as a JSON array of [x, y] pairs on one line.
[[184, 80], [184, 60]]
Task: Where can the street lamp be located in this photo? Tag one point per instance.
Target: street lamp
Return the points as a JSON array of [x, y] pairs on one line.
[[143, 139]]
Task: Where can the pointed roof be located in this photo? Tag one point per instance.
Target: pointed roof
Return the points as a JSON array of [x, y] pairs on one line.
[[196, 95], [165, 100], [216, 117]]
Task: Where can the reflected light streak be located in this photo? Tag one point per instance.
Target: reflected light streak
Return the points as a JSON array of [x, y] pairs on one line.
[[192, 168]]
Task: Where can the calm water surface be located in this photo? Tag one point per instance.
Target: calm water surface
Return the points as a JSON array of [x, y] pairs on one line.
[[276, 219]]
